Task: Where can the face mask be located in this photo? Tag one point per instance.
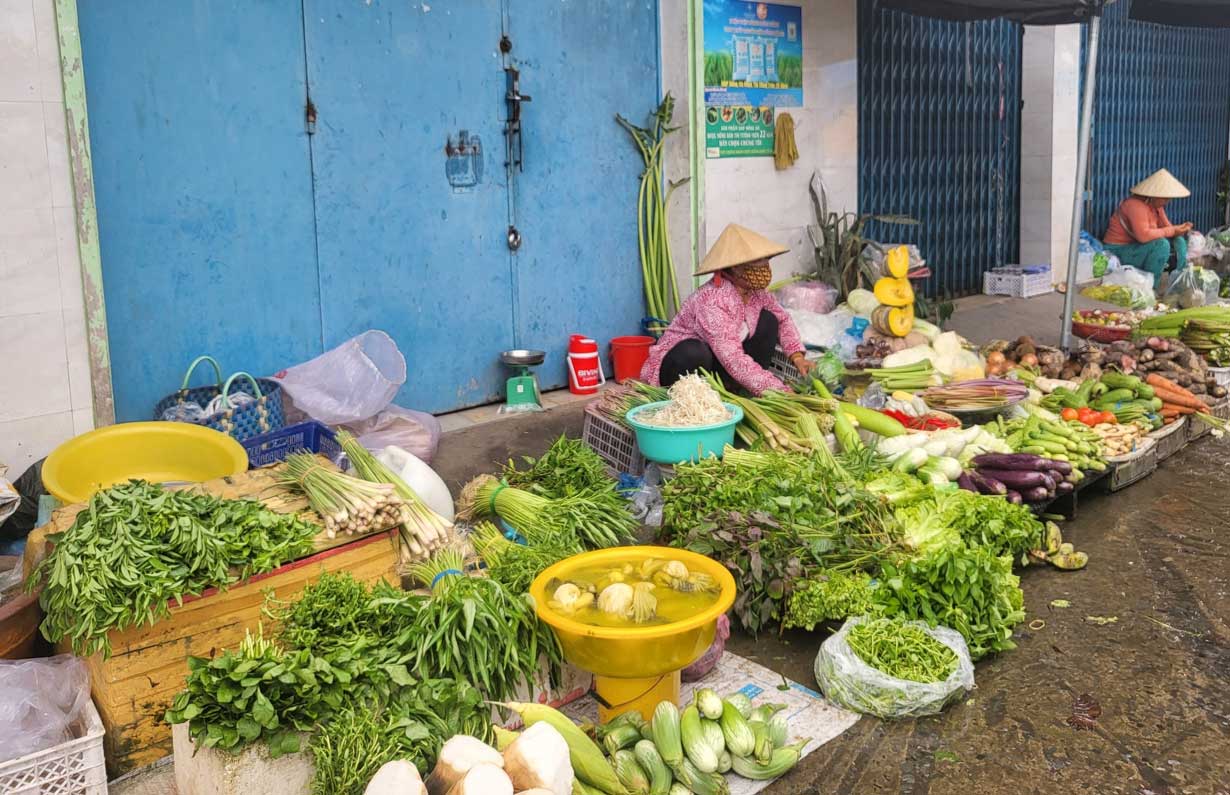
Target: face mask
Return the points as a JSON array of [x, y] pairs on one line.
[[756, 277]]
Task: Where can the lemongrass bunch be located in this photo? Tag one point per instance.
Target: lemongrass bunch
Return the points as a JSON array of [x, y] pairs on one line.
[[422, 530], [346, 504]]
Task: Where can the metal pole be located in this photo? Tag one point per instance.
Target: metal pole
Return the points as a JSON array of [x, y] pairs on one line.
[[1082, 170]]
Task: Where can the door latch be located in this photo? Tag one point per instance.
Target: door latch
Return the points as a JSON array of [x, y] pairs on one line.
[[513, 148], [309, 117], [514, 238]]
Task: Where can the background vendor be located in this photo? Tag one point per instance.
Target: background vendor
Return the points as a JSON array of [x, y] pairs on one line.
[[731, 325], [1141, 235]]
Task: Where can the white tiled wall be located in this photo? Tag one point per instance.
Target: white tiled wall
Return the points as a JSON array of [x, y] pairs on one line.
[[751, 192], [44, 368]]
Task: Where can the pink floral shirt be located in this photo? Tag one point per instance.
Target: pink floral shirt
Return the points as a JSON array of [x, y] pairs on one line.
[[718, 316]]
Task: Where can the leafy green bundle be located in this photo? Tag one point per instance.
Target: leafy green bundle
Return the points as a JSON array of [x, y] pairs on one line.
[[568, 468], [903, 651], [515, 565], [137, 546], [937, 518], [967, 588], [828, 596]]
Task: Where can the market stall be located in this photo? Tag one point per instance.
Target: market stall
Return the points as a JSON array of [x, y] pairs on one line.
[[305, 627]]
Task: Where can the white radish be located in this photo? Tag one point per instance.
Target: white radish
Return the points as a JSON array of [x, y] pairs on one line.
[[395, 778], [538, 761], [457, 757], [483, 779]]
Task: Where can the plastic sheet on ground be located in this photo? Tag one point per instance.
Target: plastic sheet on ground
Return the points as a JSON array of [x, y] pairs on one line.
[[808, 714]]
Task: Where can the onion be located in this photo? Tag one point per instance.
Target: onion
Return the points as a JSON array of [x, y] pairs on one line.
[[995, 359], [1029, 360]]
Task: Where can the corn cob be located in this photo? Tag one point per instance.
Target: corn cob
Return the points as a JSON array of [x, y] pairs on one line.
[[588, 763]]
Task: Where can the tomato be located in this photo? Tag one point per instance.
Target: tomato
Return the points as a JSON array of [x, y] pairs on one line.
[[1069, 414], [1108, 416]]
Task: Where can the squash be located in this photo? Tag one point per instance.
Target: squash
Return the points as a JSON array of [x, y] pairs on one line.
[[898, 262], [879, 320], [901, 320], [894, 292]]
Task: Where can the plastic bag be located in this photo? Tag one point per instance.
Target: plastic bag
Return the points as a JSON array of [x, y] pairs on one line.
[[815, 297], [42, 702], [709, 660], [1139, 282], [849, 682], [412, 431], [1192, 287], [421, 478], [350, 383], [823, 331], [1197, 246]]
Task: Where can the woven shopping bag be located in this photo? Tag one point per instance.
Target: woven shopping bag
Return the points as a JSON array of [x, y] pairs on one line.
[[262, 415]]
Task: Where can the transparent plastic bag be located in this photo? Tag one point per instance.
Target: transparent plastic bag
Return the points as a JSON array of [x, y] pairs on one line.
[[413, 431], [1192, 287], [823, 331], [350, 383], [815, 297], [851, 683], [1138, 282], [41, 701]]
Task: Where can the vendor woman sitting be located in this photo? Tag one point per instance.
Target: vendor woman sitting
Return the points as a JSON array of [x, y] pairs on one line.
[[1141, 235], [731, 325]]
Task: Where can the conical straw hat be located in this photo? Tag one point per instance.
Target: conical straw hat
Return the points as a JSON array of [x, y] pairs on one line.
[[738, 245], [1161, 184]]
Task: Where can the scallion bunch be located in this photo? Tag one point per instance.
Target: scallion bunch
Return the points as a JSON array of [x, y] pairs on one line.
[[422, 529], [346, 504], [566, 521]]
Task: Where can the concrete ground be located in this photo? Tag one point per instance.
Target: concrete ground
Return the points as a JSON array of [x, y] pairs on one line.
[[982, 318]]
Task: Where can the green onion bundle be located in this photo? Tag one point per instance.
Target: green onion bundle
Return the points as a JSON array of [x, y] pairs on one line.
[[422, 530], [576, 522], [783, 421], [346, 504]]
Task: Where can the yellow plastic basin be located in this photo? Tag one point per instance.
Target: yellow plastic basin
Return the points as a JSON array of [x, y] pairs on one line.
[[635, 652], [160, 452]]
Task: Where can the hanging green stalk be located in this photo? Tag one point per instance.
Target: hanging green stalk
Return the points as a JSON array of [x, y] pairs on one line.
[[653, 243]]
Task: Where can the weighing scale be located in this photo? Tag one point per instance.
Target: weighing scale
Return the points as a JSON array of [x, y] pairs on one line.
[[521, 390]]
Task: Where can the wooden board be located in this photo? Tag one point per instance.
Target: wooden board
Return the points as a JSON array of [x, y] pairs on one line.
[[133, 688], [255, 484]]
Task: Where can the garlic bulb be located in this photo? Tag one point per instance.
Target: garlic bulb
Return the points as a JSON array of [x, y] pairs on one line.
[[616, 599]]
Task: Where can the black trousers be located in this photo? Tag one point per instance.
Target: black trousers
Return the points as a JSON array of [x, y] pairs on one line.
[[692, 355]]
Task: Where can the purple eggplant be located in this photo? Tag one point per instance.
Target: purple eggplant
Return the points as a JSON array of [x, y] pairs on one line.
[[1064, 487], [1050, 481], [1014, 461], [985, 484], [967, 483], [1062, 467], [1035, 495], [1014, 497], [1017, 478]]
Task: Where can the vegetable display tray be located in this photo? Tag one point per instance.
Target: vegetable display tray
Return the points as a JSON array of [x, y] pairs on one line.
[[1127, 469], [1170, 438], [1016, 283], [782, 367], [1197, 429], [75, 767], [1095, 333]]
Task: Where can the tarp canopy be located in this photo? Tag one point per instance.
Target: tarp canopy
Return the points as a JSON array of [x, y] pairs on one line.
[[1030, 12], [1184, 13]]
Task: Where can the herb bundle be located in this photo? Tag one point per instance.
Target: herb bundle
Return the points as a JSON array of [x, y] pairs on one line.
[[568, 467], [514, 565], [967, 588], [137, 546], [828, 596], [475, 629], [576, 520], [903, 651]]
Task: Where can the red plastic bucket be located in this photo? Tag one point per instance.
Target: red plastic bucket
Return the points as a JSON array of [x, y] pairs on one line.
[[628, 355]]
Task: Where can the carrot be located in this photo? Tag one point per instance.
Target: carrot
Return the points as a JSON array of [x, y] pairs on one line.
[[1160, 382], [1168, 420], [1178, 399], [1171, 410]]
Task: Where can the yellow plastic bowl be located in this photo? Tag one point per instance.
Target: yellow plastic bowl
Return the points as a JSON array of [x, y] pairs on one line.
[[160, 452], [634, 652]]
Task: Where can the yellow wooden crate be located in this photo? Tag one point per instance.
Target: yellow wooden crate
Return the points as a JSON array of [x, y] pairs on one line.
[[149, 664]]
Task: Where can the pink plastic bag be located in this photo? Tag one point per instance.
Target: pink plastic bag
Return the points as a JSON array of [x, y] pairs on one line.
[[413, 431], [709, 660], [815, 297]]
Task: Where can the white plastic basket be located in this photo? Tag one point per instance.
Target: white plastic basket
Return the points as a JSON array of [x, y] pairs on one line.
[[1221, 375], [76, 767], [1012, 281]]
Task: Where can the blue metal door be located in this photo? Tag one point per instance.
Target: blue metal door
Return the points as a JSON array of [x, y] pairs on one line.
[[574, 200], [402, 249], [1160, 102], [203, 184], [939, 139]]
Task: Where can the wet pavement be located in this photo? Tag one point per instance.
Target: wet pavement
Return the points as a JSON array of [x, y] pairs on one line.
[[1160, 671]]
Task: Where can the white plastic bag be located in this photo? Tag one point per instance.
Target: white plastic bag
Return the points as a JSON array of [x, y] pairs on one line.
[[1136, 280], [350, 383], [849, 682], [823, 331], [413, 431], [41, 701]]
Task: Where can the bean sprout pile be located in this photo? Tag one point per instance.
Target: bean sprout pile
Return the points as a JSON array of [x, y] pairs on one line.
[[692, 403]]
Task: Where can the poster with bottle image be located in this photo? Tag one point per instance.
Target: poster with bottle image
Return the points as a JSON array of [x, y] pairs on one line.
[[753, 64]]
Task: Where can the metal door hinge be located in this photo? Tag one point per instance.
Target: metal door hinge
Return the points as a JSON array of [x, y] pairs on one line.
[[309, 117]]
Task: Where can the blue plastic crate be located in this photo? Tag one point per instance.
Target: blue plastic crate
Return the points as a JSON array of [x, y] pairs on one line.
[[310, 436]]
